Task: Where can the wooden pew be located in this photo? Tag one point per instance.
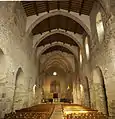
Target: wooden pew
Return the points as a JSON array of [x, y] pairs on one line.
[[42, 111], [79, 112]]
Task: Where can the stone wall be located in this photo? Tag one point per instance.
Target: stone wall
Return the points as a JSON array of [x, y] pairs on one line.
[[102, 56], [18, 72], [17, 53]]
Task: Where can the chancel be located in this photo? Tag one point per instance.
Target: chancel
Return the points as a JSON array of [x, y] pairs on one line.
[[57, 59]]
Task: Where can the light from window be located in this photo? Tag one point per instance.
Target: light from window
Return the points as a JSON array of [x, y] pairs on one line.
[[87, 48], [80, 57], [81, 87], [34, 87], [100, 27], [68, 87]]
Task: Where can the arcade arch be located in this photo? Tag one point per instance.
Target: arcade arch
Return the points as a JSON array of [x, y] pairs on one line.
[[57, 12], [75, 37], [72, 50], [19, 98], [100, 91]]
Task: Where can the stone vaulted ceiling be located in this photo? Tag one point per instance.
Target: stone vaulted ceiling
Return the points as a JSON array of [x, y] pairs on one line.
[[57, 48], [58, 21], [57, 38]]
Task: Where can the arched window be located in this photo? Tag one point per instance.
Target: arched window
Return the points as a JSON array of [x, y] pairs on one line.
[[87, 47], [100, 27], [34, 89], [80, 57]]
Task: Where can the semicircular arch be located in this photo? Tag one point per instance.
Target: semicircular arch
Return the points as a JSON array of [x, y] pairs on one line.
[[59, 63], [60, 44], [58, 58], [99, 83], [57, 12], [76, 39]]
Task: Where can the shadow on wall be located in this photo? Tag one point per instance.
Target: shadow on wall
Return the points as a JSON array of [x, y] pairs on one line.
[[20, 99]]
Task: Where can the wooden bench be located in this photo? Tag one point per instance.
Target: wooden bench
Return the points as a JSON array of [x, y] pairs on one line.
[[42, 111], [74, 111]]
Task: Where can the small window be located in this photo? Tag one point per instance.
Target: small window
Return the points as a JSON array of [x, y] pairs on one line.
[[34, 89], [100, 27], [80, 57], [87, 47]]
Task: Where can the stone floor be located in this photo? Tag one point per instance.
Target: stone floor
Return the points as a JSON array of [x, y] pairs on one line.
[[57, 114]]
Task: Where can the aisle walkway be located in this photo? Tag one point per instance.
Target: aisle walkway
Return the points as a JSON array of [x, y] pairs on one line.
[[57, 114]]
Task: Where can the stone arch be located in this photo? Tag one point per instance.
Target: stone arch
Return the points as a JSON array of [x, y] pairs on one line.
[[57, 12], [60, 63], [64, 45], [61, 32], [20, 98], [100, 90], [58, 57], [60, 44], [76, 38]]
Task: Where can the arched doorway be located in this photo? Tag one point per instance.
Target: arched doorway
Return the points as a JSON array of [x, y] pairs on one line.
[[100, 91], [20, 99]]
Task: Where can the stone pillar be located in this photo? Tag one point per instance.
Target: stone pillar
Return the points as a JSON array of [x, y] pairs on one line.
[[109, 71], [78, 92], [39, 89], [21, 94], [38, 95], [74, 89], [31, 98], [92, 94], [100, 97], [86, 92]]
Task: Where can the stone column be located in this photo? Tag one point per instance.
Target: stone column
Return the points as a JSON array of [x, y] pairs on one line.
[[21, 94], [100, 97], [109, 71], [92, 94], [86, 92], [39, 89], [78, 92], [74, 89]]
